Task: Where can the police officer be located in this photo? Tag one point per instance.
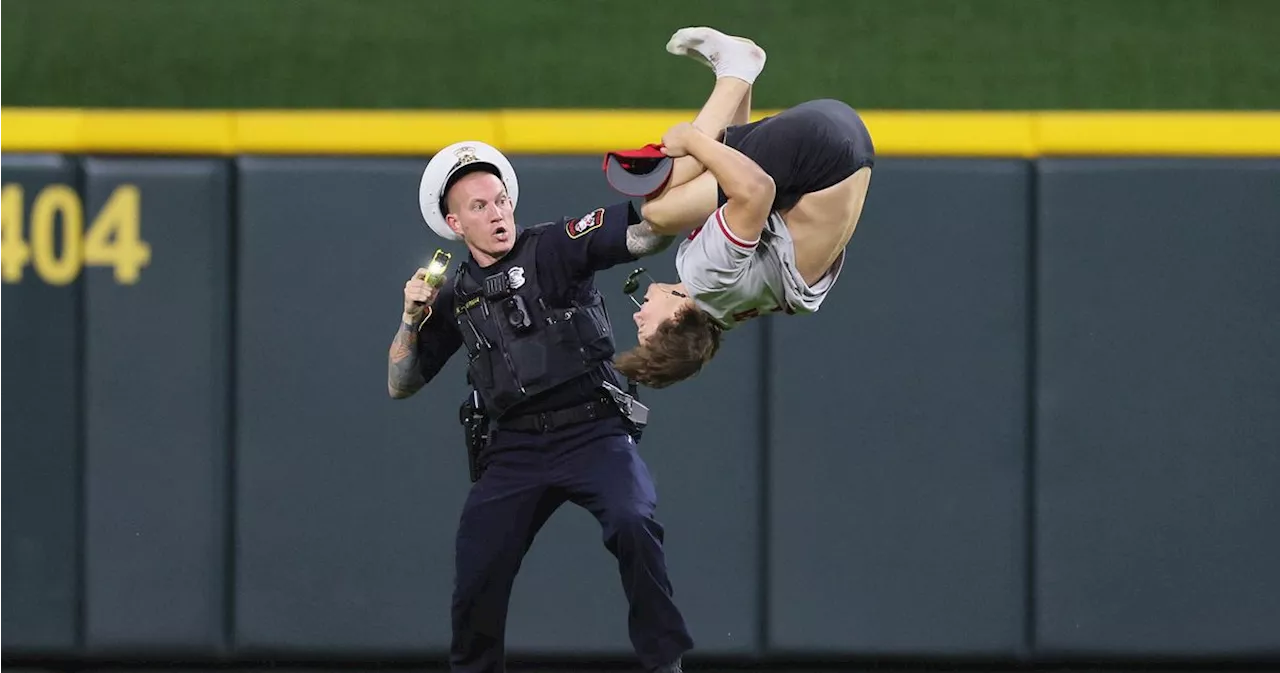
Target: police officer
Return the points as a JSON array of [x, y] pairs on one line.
[[525, 310]]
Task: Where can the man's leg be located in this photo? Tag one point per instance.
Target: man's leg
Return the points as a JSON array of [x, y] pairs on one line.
[[684, 206], [692, 193], [720, 111], [736, 62], [606, 476], [805, 149], [736, 59], [503, 513]]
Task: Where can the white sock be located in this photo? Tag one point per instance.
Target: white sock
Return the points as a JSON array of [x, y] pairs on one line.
[[727, 56], [737, 60]]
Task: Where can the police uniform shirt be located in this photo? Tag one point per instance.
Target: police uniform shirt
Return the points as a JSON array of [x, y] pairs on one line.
[[733, 279], [569, 253]]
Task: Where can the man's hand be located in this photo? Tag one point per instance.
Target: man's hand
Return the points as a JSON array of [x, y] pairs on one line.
[[750, 191], [675, 142], [403, 376], [418, 295]]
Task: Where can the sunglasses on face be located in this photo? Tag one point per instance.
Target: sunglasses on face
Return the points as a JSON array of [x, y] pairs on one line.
[[633, 283]]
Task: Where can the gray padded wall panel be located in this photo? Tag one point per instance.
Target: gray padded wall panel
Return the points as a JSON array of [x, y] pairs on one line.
[[898, 426], [1159, 408]]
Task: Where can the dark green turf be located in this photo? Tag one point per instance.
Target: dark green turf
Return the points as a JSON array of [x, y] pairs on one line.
[[993, 54]]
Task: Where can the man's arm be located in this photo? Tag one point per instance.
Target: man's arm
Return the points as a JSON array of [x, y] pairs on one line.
[[643, 240], [603, 238], [749, 190], [423, 343], [418, 354], [403, 376]]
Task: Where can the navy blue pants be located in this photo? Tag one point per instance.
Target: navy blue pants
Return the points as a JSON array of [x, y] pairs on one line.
[[527, 477]]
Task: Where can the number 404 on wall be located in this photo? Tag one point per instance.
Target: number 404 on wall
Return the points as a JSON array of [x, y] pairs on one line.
[[112, 238]]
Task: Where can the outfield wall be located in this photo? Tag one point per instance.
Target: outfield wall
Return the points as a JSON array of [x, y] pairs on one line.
[[1037, 420]]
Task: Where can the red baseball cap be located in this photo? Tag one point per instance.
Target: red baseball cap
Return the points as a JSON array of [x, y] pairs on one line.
[[638, 172]]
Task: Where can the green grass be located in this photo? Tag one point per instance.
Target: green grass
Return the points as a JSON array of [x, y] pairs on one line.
[[955, 54]]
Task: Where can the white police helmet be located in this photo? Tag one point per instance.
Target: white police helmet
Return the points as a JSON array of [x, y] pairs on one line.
[[444, 165]]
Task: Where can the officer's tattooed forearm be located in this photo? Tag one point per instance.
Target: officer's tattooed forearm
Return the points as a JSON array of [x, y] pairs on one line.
[[403, 376], [643, 241]]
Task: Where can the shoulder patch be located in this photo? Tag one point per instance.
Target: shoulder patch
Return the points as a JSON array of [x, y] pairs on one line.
[[584, 226]]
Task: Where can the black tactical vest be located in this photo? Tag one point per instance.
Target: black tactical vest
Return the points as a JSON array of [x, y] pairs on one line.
[[522, 339]]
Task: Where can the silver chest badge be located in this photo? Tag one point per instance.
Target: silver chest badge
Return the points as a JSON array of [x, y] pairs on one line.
[[516, 276]]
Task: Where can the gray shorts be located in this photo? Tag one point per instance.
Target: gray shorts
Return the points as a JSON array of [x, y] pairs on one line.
[[779, 251]]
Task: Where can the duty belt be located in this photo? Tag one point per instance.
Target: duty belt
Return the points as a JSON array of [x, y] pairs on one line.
[[547, 421]]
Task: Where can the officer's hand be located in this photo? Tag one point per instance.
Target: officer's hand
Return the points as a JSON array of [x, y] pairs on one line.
[[417, 294], [675, 141]]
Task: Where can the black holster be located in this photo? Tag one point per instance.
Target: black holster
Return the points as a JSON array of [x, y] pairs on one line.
[[475, 425]]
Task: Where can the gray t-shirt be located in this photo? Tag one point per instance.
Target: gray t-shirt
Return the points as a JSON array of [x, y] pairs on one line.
[[735, 280]]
